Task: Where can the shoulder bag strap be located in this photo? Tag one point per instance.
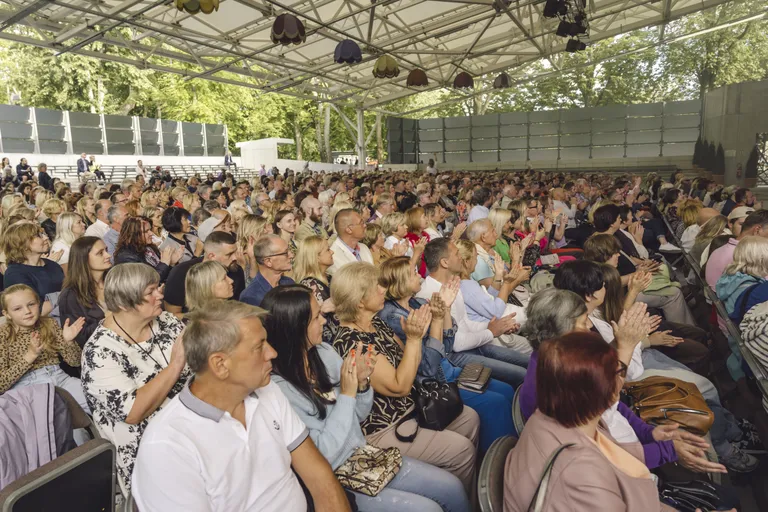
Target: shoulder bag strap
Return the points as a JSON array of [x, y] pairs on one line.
[[744, 300], [410, 437], [537, 502]]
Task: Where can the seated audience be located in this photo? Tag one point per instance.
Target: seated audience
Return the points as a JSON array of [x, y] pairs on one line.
[[754, 333], [474, 340], [743, 276], [285, 226], [230, 440], [251, 228], [24, 245], [101, 225], [133, 364], [350, 230], [578, 378], [220, 247], [402, 283], [274, 258], [176, 223], [394, 228], [313, 218], [83, 293], [116, 216], [206, 282], [358, 298], [69, 228], [714, 225], [52, 208], [310, 268], [135, 245], [332, 396]]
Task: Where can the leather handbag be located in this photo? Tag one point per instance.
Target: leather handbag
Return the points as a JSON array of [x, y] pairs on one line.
[[474, 377], [666, 400], [436, 403], [690, 496], [369, 469]]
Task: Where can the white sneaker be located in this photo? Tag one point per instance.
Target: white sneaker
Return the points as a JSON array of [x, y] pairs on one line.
[[668, 247]]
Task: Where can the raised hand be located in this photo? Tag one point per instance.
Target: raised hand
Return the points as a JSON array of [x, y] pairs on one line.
[[399, 249], [515, 254], [55, 255], [525, 242], [177, 255], [366, 362], [498, 266], [450, 290], [499, 326], [166, 255], [418, 247], [458, 230], [518, 274], [437, 306], [639, 281], [348, 375], [35, 348], [178, 356], [70, 332], [417, 323], [632, 327]]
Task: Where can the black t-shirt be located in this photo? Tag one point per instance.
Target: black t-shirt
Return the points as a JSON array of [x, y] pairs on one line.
[[175, 290]]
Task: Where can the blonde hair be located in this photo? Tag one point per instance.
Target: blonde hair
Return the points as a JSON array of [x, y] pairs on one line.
[[499, 218], [9, 201], [16, 240], [53, 207], [412, 216], [64, 228], [80, 207], [45, 325], [750, 257], [133, 207], [598, 204], [21, 211], [350, 284], [712, 228], [176, 192], [466, 249], [188, 200], [372, 232], [394, 275], [146, 196], [391, 221], [250, 226], [238, 209], [689, 213], [306, 262], [200, 281], [341, 197], [42, 197]]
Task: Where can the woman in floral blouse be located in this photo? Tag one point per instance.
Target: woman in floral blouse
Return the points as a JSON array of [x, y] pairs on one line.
[[133, 364]]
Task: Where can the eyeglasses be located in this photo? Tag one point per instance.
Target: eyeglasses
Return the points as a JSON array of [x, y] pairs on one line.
[[622, 371], [278, 254]]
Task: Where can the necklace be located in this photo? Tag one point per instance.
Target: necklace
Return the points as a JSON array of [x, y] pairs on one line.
[[141, 349], [364, 330]]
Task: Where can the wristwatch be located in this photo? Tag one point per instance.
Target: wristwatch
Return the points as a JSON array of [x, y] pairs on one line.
[[367, 386]]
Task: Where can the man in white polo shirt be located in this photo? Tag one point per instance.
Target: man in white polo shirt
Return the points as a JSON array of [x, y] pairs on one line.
[[228, 440]]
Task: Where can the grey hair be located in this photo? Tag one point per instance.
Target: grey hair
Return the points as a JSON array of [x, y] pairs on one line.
[[125, 285], [262, 248], [551, 313], [478, 229], [215, 328], [203, 189], [112, 213]]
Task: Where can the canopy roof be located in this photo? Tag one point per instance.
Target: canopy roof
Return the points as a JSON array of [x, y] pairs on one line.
[[233, 45]]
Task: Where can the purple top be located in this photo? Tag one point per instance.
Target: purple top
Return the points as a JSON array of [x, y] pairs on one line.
[[657, 453]]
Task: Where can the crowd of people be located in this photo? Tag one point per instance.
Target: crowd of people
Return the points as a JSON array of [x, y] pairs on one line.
[[266, 344]]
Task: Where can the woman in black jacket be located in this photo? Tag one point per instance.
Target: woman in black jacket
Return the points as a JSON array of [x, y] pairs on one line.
[[135, 246], [83, 293]]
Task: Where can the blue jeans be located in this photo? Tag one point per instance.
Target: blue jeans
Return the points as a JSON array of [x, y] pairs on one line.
[[725, 429], [506, 365], [418, 487], [495, 410], [56, 376]]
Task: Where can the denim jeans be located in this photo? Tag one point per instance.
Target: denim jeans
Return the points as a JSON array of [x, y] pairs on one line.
[[494, 407], [506, 365], [56, 376], [418, 487], [724, 429]]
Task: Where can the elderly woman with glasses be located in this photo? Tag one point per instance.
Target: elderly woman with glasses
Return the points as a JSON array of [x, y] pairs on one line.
[[133, 364], [25, 246]]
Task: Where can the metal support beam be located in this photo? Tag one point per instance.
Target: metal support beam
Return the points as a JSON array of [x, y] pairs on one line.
[[23, 13], [361, 138]]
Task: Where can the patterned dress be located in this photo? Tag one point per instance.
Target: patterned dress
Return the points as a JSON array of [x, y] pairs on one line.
[[113, 369], [386, 410]]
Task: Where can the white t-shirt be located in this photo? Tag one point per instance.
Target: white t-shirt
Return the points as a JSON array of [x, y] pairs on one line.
[[392, 241], [197, 458], [58, 245]]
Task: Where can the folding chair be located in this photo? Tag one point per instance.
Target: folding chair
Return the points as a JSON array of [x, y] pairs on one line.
[[490, 480]]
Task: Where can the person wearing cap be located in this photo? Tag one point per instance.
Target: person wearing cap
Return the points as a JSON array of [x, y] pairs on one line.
[[737, 217], [741, 197], [756, 224]]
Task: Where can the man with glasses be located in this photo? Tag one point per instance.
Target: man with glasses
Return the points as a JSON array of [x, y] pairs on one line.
[[116, 215], [274, 259], [350, 227]]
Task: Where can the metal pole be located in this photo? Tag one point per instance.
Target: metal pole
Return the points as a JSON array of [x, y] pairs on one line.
[[361, 138]]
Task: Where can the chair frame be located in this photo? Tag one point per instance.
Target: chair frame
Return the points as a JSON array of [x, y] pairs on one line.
[[488, 469]]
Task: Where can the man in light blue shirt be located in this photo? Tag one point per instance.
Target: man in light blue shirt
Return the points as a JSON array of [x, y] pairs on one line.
[[481, 201], [116, 215]]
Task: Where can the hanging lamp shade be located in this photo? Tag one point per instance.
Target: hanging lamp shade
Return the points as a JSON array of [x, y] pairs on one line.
[[347, 51], [417, 78], [195, 6], [288, 29], [386, 67], [463, 81], [502, 81]]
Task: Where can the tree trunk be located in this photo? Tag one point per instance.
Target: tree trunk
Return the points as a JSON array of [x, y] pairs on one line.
[[100, 91], [327, 134], [379, 142], [91, 98], [319, 132], [297, 138]]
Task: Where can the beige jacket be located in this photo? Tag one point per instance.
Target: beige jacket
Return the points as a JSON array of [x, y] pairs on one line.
[[582, 479], [305, 230]]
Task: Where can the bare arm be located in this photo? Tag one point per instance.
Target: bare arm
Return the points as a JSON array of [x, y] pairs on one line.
[[318, 476]]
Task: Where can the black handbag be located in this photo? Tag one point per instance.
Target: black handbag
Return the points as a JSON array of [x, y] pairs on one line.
[[690, 496], [436, 405]]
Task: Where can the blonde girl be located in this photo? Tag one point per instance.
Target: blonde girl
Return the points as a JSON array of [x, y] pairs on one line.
[[251, 228], [205, 282]]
